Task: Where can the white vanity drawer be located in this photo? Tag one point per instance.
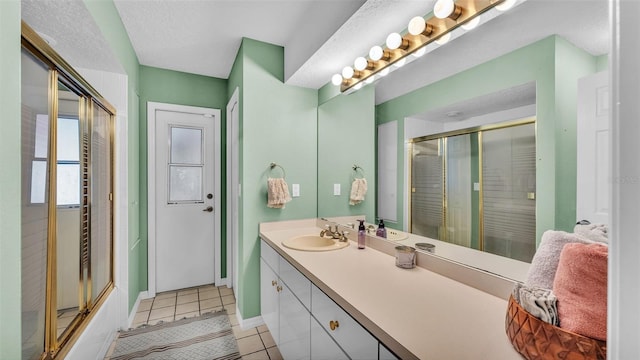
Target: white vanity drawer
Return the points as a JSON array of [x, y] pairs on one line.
[[300, 286], [270, 256], [351, 336]]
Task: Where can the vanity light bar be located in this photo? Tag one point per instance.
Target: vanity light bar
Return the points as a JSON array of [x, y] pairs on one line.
[[398, 47]]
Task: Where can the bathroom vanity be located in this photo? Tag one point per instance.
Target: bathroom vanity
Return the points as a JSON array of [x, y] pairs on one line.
[[350, 303]]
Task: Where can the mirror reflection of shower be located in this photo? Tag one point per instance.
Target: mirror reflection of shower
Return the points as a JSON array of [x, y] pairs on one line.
[[476, 188]]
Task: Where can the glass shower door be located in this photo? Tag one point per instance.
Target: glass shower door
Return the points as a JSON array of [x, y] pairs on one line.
[[508, 191], [427, 188]]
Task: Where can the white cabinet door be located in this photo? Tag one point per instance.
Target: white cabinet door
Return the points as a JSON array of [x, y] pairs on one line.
[[322, 345], [269, 299], [295, 336], [348, 333]]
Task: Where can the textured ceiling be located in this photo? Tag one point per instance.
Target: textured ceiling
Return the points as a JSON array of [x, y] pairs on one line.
[[320, 36], [69, 27]]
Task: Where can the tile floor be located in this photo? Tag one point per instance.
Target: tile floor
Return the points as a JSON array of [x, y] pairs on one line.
[[254, 344]]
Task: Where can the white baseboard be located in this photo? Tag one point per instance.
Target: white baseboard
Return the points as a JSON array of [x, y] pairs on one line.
[[141, 296], [248, 323]]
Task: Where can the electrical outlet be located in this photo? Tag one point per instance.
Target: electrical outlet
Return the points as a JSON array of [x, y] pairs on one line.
[[295, 189], [336, 189]]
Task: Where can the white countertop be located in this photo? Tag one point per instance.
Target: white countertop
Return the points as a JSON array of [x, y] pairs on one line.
[[414, 312]]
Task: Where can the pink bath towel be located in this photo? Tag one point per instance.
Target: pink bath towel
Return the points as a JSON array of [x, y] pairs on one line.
[[581, 288]]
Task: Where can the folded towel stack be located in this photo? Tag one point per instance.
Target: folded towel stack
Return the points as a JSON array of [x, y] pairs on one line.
[[358, 191], [277, 193], [593, 232], [545, 261], [541, 303], [581, 287]]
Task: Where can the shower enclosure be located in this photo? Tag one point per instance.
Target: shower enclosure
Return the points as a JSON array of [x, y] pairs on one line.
[[476, 188]]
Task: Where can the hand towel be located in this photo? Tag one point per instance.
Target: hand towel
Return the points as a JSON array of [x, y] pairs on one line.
[[358, 191], [581, 287], [277, 193], [545, 260], [593, 232], [541, 303]]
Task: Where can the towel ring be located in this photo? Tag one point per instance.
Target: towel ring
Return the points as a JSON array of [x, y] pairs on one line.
[[274, 165], [355, 171]]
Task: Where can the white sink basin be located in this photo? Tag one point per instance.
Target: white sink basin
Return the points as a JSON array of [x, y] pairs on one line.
[[396, 235], [314, 243]]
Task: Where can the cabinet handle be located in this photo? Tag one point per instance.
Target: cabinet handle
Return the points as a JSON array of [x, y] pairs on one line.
[[279, 288], [334, 324], [274, 283]]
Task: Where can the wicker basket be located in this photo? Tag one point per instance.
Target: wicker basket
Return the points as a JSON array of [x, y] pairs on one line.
[[539, 340]]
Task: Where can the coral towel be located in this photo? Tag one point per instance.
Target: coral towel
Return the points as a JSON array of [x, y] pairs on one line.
[[581, 288], [277, 193]]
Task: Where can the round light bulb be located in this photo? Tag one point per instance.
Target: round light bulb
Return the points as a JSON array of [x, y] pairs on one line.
[[416, 25], [336, 79], [358, 86], [506, 5], [443, 8], [376, 53], [394, 40], [384, 72], [443, 39], [370, 79], [470, 25], [419, 52], [360, 63], [400, 63], [347, 72]]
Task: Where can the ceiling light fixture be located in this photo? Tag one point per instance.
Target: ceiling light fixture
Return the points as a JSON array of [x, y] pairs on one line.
[[506, 5], [446, 9], [471, 24], [447, 16], [443, 39]]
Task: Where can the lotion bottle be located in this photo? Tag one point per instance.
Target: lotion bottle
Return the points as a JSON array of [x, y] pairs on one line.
[[382, 231], [361, 234]]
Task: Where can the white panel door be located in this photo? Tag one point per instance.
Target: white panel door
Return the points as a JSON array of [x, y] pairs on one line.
[[593, 187], [184, 200]]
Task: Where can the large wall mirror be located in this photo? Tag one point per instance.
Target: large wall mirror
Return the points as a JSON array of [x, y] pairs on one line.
[[484, 140]]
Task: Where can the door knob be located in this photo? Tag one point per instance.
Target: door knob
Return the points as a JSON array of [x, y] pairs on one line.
[[208, 209]]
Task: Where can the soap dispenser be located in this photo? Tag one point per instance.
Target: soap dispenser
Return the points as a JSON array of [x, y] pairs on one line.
[[361, 234], [381, 232]]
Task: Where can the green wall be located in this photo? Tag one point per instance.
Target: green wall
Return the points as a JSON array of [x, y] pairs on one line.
[[346, 137], [108, 20], [279, 125], [174, 87], [553, 64], [10, 201], [571, 64]]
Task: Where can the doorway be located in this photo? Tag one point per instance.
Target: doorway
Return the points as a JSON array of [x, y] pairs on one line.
[[184, 196]]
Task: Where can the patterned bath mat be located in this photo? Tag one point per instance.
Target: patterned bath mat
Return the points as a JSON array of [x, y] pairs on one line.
[[208, 336]]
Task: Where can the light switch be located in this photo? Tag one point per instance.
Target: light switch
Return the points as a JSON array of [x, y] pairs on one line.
[[336, 189], [476, 186], [295, 189]]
